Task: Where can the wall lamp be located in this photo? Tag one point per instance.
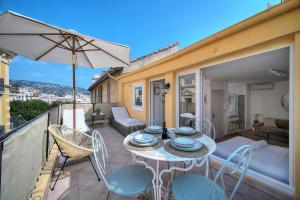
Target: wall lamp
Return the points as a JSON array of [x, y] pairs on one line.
[[165, 88]]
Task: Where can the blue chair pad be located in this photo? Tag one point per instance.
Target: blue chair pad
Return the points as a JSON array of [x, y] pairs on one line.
[[195, 187], [130, 180]]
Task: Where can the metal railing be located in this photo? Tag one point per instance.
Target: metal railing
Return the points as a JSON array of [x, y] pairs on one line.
[[24, 150]]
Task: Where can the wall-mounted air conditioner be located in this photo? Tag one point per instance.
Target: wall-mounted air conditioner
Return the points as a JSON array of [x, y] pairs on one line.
[[261, 86]]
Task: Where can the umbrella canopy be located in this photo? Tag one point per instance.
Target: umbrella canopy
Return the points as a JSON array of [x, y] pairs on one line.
[[40, 41]]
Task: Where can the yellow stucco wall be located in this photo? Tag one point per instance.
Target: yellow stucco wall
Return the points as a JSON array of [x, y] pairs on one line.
[[4, 98], [271, 29], [297, 114], [113, 91], [127, 99], [104, 92]]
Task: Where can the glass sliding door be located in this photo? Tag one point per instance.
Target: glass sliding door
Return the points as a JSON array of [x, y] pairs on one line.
[[187, 97]]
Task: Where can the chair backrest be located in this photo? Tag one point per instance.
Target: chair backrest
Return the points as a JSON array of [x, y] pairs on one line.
[[80, 119], [237, 162], [203, 125], [74, 143], [120, 112], [101, 156]]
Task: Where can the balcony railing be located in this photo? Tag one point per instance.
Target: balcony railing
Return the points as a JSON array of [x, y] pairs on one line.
[[24, 150]]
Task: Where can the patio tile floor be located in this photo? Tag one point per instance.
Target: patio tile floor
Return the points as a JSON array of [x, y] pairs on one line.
[[79, 181]]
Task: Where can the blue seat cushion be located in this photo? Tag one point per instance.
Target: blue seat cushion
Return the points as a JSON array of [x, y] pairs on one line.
[[130, 180], [195, 187]]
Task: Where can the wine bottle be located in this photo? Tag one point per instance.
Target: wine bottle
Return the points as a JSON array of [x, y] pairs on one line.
[[164, 135]]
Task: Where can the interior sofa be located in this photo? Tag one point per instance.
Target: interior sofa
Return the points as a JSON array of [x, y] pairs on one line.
[[123, 123], [279, 131]]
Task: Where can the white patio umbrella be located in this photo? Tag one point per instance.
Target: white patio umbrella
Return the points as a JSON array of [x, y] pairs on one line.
[[40, 41]]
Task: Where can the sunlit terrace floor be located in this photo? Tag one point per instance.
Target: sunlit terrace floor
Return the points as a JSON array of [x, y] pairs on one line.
[[79, 181]]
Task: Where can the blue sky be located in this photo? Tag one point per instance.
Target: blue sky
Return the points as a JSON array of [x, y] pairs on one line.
[[145, 26]]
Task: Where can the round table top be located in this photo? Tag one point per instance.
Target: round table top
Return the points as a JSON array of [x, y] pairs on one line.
[[162, 155]]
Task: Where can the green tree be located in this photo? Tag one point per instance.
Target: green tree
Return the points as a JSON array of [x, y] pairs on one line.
[[27, 109]]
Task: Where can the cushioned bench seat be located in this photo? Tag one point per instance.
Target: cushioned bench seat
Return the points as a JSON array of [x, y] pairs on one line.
[[269, 160]]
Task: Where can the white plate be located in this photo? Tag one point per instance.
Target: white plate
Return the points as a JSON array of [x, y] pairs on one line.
[[195, 147], [184, 142], [143, 138], [152, 132], [154, 128], [153, 142], [186, 130]]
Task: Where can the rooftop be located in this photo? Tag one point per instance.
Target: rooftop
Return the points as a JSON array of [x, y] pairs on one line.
[[134, 63], [155, 52]]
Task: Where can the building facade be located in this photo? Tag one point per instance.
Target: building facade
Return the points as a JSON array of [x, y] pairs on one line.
[[105, 87], [5, 59], [275, 30]]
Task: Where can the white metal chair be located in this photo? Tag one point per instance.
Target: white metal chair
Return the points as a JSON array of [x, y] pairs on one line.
[[193, 186], [128, 181], [204, 125], [207, 128]]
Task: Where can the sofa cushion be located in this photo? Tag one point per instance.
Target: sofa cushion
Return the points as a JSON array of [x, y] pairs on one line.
[[270, 122], [282, 123], [268, 129]]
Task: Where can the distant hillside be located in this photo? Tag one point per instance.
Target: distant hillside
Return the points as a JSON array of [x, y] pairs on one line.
[[49, 88]]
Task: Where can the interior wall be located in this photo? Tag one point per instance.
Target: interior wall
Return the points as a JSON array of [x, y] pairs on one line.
[[264, 102], [238, 88], [267, 102], [207, 98]]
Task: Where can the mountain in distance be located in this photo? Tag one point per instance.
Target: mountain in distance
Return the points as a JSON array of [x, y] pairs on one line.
[[49, 88]]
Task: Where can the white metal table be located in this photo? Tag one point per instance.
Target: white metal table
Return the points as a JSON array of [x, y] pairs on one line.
[[160, 154]]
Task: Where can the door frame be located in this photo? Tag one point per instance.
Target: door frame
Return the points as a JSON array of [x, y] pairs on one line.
[[289, 188], [150, 117], [198, 92]]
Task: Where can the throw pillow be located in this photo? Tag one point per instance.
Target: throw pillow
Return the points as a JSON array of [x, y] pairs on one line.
[[271, 122]]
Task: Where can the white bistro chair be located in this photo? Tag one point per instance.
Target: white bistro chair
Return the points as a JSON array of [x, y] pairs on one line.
[[204, 125], [207, 128], [194, 186], [128, 181]]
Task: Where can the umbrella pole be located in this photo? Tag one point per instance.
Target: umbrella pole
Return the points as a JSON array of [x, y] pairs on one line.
[[74, 88]]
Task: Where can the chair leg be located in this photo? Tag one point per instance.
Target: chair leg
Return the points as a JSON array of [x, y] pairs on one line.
[[207, 166], [94, 168], [211, 176], [108, 195], [61, 169]]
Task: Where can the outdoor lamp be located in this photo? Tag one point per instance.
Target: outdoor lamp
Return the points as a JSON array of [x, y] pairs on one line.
[[165, 88]]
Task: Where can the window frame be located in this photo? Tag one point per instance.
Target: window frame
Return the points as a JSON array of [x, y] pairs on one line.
[[1, 85], [134, 106]]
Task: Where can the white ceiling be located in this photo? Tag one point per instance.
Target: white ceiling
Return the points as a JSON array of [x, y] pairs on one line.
[[252, 69]]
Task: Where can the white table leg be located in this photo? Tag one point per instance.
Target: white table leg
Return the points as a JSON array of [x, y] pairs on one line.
[[157, 188]]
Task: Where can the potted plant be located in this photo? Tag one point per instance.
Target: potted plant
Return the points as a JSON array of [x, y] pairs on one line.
[[98, 110]]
